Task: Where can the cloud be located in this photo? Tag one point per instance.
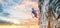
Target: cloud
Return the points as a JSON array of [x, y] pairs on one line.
[[20, 11]]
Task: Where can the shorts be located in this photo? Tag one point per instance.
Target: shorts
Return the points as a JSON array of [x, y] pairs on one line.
[[35, 15]]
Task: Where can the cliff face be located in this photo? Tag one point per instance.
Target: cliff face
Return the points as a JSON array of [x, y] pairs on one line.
[[49, 11]]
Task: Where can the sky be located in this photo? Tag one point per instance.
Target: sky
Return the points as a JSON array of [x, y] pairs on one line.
[[18, 9]]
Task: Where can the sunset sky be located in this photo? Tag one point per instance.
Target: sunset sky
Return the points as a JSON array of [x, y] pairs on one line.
[[18, 10]]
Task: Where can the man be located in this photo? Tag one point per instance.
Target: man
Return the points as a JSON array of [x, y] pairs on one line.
[[34, 12]]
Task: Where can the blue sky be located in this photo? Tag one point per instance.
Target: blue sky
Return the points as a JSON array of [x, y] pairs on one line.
[[5, 0], [16, 1], [12, 2]]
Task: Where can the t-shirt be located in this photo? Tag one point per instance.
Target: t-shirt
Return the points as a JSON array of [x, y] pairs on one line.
[[34, 11]]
